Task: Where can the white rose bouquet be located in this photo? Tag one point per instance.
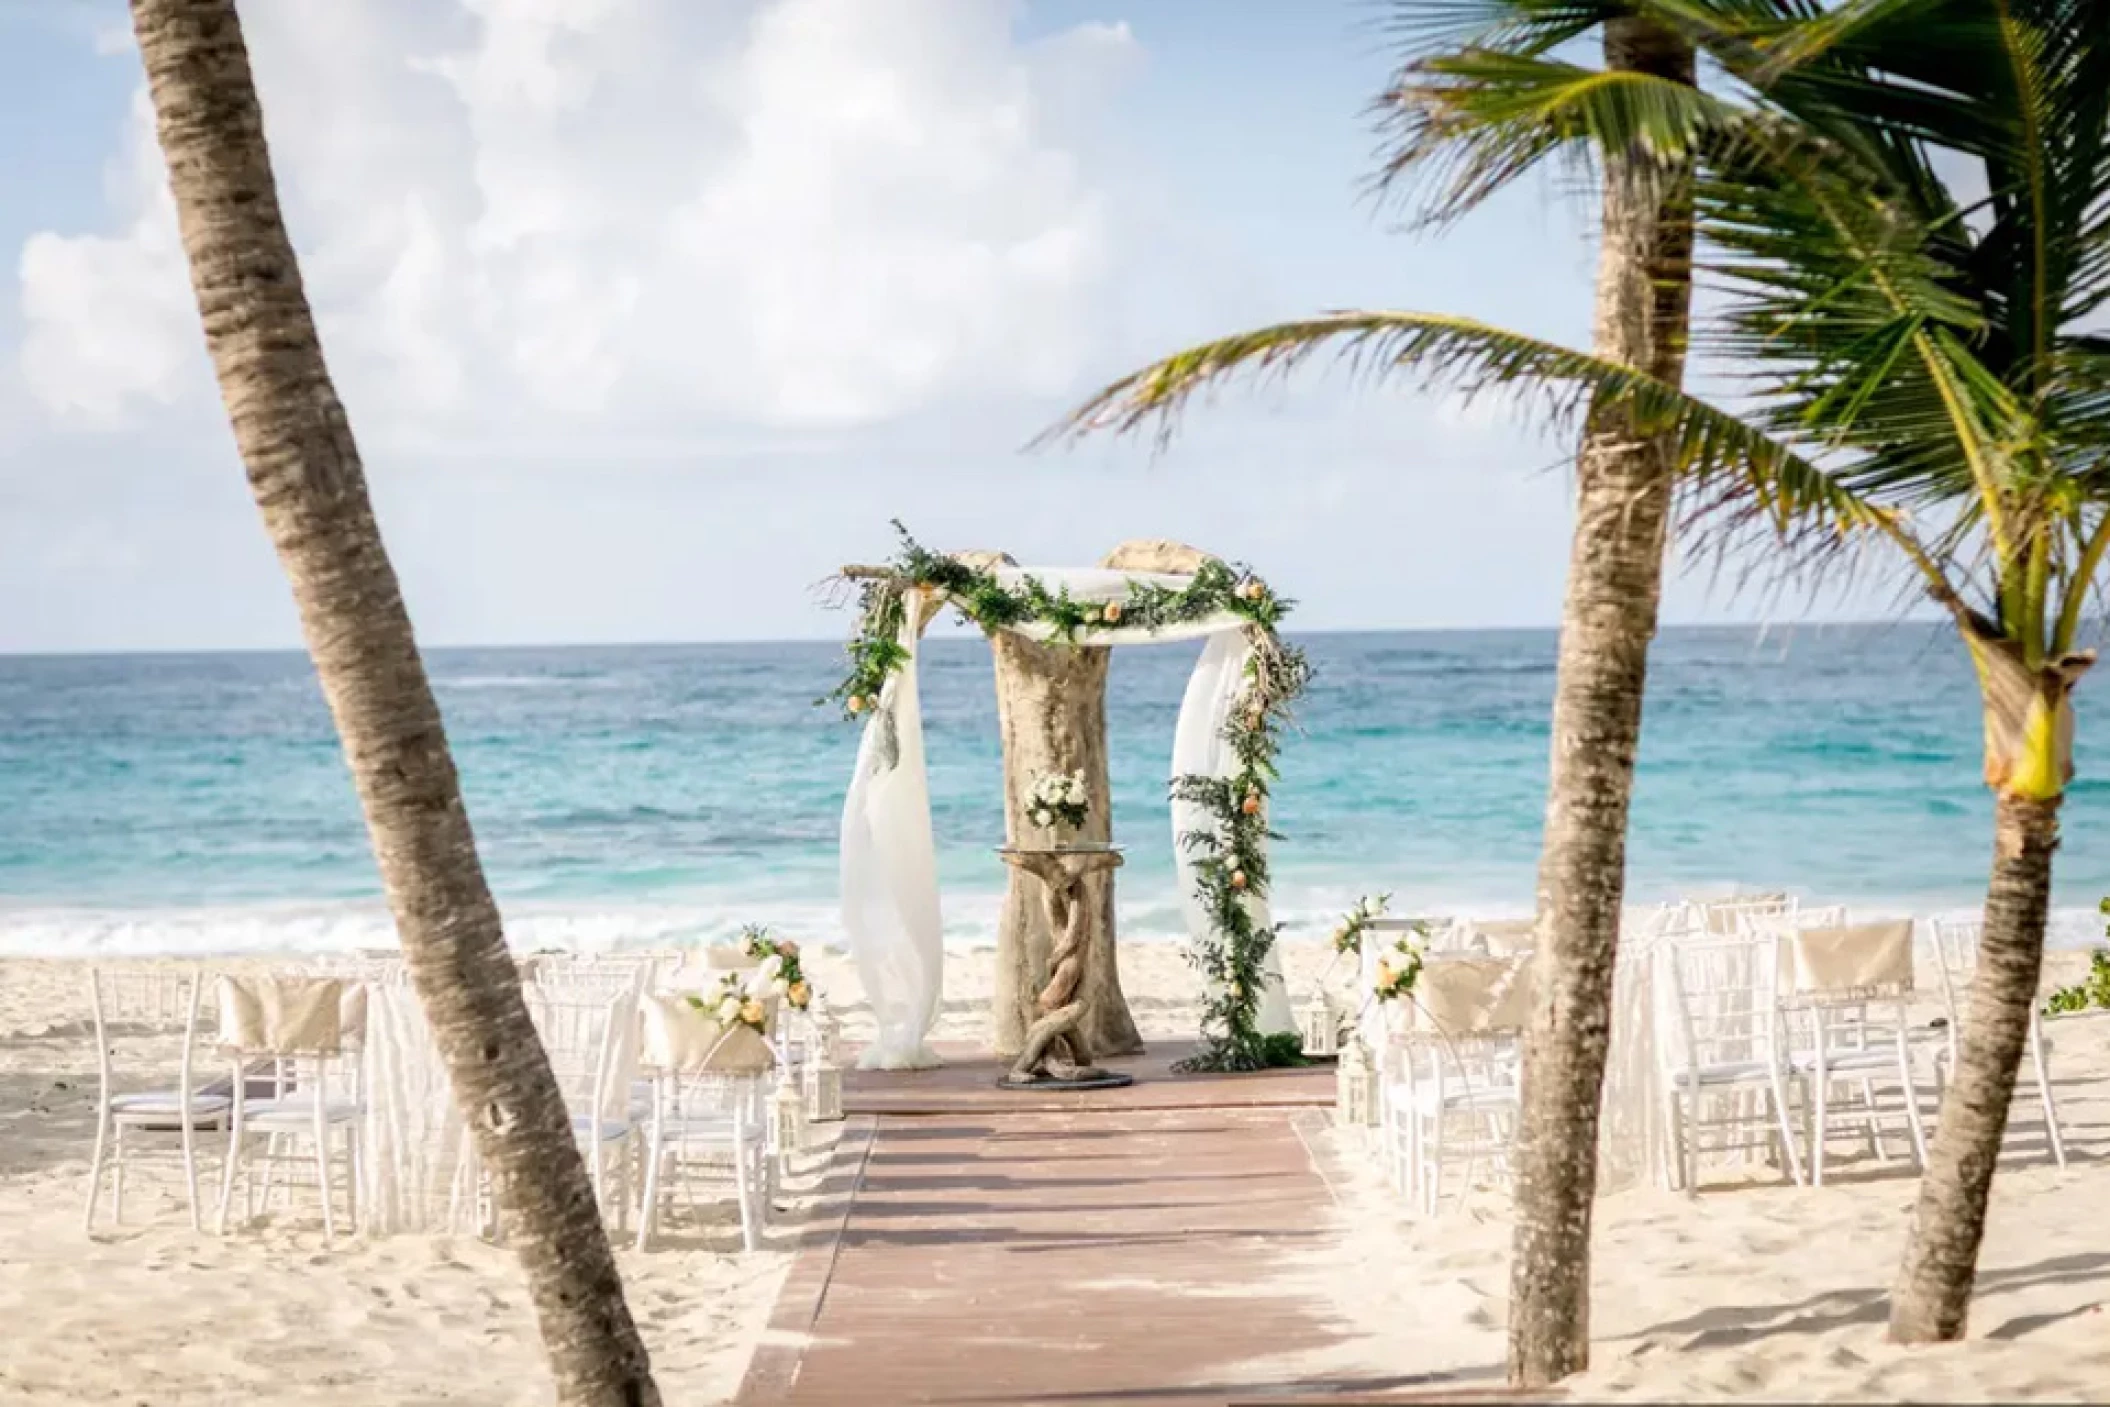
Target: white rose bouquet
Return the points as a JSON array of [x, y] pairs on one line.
[[1058, 799], [737, 1002], [1399, 967]]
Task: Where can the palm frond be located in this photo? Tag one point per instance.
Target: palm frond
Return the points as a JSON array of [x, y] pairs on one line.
[[1732, 474], [1462, 126], [1421, 29]]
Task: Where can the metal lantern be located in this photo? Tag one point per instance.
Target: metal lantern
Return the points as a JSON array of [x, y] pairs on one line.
[[1322, 1032], [1355, 1086], [787, 1113], [824, 1089]]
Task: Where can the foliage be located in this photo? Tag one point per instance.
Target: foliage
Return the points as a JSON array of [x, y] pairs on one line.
[[1230, 849], [2092, 991], [757, 942], [1918, 365], [1348, 938]]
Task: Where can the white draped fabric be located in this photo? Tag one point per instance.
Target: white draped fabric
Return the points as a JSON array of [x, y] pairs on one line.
[[417, 1169], [890, 875], [889, 865]]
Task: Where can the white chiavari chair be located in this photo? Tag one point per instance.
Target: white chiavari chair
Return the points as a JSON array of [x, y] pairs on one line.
[[147, 1001]]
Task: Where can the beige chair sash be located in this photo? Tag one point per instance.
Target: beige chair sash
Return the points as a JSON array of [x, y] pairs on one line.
[[1504, 937], [285, 1015], [1862, 959], [680, 1039], [1474, 995]]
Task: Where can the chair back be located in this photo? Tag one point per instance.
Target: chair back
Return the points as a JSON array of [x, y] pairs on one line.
[[1724, 918], [1723, 995], [139, 1000], [157, 999], [603, 977], [591, 1042], [1956, 965]]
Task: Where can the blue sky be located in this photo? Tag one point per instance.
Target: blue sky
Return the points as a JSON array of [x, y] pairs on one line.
[[649, 318]]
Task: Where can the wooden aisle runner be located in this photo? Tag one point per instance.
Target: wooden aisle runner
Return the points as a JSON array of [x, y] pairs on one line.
[[1115, 1256]]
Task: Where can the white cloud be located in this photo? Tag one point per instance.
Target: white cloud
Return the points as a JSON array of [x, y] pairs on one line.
[[525, 215]]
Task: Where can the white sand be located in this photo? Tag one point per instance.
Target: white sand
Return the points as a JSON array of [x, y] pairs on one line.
[[1750, 1291], [1754, 1289], [153, 1312]]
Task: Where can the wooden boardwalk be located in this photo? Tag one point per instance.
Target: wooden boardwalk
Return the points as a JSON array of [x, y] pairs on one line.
[[1118, 1248]]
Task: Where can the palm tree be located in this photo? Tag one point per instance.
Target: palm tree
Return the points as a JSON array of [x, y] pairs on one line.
[[1918, 376], [305, 472], [1932, 342], [1481, 100]]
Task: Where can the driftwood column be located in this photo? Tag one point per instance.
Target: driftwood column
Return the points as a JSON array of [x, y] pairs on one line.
[[1056, 1050], [1051, 707]]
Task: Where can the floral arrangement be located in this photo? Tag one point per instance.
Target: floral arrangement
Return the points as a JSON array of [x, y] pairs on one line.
[[1058, 799], [1399, 968], [735, 1003], [743, 997], [1348, 938], [780, 957], [1229, 849]]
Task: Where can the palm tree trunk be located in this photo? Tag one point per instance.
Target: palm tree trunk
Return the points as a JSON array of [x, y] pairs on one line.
[[1623, 502], [1931, 1302], [305, 472]]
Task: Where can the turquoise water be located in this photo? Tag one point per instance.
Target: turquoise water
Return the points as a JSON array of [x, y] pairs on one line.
[[640, 794]]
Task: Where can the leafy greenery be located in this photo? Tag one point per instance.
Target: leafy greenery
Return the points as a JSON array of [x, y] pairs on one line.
[[1348, 938], [1230, 850], [2092, 991], [1904, 211]]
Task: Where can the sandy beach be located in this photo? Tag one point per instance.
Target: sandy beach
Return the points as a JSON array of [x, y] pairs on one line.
[[1751, 1291]]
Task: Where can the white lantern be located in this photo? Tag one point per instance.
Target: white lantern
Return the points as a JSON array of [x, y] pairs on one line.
[[1355, 1087], [824, 1090], [828, 1032], [788, 1115], [1322, 1032]]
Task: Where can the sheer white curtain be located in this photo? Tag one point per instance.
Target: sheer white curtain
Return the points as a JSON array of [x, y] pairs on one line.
[[889, 859], [890, 874]]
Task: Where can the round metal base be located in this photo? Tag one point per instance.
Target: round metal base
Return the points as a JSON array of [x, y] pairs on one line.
[[1096, 1079]]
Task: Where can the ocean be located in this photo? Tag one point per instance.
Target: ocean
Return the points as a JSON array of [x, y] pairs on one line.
[[644, 795]]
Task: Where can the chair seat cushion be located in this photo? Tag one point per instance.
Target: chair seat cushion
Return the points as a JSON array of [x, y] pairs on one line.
[[295, 1113], [610, 1130], [1729, 1072], [1845, 1062], [167, 1101], [1476, 1097]]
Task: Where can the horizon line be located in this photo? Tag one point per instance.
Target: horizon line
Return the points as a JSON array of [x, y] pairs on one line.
[[178, 651]]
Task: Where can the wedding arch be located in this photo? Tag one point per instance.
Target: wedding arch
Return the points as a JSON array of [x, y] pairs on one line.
[[1236, 706]]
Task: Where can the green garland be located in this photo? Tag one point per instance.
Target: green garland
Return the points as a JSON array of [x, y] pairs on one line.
[[1348, 938], [1229, 853]]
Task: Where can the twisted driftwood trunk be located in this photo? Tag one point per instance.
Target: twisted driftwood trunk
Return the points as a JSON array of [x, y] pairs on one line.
[[1051, 708], [1054, 1045]]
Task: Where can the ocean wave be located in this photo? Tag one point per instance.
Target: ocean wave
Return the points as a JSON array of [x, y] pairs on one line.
[[971, 920]]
